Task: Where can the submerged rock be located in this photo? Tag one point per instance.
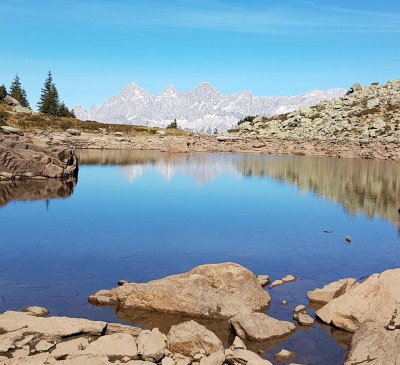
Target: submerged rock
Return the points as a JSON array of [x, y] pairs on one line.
[[284, 355], [211, 291]]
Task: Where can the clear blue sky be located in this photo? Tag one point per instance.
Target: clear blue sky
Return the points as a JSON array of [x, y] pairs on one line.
[[268, 47]]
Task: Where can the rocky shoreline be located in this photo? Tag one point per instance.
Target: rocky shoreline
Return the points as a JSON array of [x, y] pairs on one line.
[[228, 291], [23, 158], [220, 144]]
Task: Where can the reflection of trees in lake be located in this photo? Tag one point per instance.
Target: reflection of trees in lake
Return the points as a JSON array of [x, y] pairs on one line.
[[371, 187]]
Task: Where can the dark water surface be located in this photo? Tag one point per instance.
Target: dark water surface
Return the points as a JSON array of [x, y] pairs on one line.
[[144, 215]]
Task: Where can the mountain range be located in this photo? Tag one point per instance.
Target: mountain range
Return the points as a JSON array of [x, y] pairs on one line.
[[203, 109]]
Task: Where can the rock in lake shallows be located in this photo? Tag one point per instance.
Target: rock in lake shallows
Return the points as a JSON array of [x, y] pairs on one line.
[[210, 291]]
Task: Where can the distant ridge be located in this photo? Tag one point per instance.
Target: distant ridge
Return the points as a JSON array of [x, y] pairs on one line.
[[203, 109]]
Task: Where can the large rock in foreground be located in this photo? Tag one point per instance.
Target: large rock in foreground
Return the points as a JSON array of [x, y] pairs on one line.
[[20, 158], [211, 291], [373, 344], [376, 300]]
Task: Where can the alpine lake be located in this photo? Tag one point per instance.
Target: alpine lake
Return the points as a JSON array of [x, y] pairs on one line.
[[143, 215]]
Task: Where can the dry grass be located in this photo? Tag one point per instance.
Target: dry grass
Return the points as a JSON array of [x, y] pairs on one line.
[[30, 122]]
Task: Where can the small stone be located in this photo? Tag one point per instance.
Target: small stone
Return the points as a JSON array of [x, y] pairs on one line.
[[122, 282], [276, 283], [288, 278], [263, 280], [36, 311], [118, 134], [7, 129], [284, 355], [300, 308], [284, 303], [348, 239], [303, 319], [73, 132]]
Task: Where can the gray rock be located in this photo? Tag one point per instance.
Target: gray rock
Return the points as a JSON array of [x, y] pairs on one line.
[[373, 103], [73, 132], [9, 100], [36, 311], [7, 129]]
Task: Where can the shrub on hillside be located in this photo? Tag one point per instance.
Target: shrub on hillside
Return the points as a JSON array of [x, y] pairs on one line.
[[173, 125], [248, 118]]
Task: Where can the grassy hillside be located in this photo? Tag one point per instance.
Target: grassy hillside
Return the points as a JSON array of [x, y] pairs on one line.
[[30, 122]]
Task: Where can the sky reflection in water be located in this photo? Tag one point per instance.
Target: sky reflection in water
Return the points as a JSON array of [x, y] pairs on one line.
[[159, 214]]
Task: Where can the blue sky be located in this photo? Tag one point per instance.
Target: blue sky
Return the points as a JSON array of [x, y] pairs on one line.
[[269, 47]]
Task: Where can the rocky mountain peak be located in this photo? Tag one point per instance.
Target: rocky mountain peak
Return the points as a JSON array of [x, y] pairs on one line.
[[203, 109]]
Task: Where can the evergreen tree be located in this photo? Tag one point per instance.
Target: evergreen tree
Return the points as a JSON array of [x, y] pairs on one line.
[[49, 102], [173, 125], [18, 93], [3, 92], [63, 111]]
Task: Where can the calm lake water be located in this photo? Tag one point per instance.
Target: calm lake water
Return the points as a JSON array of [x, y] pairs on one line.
[[139, 216]]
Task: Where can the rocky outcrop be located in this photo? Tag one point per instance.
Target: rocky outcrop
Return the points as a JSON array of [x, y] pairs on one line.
[[363, 114], [20, 158], [28, 339], [260, 327], [375, 300], [330, 291], [211, 291], [373, 344]]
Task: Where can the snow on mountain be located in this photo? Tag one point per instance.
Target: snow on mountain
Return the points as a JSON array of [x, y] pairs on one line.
[[203, 109]]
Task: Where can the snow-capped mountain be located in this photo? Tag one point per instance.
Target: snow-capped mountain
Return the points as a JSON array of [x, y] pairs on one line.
[[204, 109]]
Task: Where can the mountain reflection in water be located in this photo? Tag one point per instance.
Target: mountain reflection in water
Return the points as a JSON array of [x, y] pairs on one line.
[[360, 186]]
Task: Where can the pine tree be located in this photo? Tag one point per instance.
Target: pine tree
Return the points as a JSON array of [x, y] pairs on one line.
[[63, 111], [18, 93], [3, 92], [173, 125], [49, 102]]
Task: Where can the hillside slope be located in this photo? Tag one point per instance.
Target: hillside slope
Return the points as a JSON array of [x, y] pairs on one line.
[[364, 114]]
